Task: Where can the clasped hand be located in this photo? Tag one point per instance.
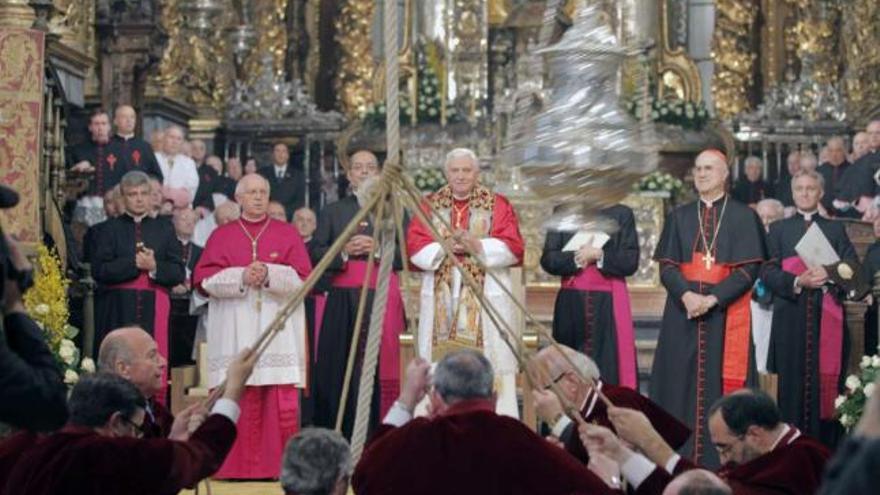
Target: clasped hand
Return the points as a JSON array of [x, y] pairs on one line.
[[813, 278], [359, 245], [697, 304], [145, 260], [587, 254], [463, 242], [255, 274]]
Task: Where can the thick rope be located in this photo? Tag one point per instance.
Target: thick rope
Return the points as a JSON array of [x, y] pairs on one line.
[[358, 321]]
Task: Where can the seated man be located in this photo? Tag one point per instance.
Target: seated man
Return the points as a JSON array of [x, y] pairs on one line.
[[759, 453], [752, 188], [582, 394], [316, 461], [131, 353], [697, 482], [99, 451], [465, 447]]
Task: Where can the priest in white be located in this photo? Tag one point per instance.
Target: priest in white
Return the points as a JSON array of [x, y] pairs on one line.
[[178, 170], [451, 316], [248, 269]]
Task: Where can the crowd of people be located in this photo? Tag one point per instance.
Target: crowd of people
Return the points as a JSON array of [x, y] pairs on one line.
[[743, 299]]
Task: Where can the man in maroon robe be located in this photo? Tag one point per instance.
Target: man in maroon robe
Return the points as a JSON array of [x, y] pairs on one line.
[[100, 452], [585, 395], [465, 447], [759, 453], [249, 268]]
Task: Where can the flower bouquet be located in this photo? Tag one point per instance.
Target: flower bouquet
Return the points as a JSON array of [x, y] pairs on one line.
[[685, 114], [658, 181], [849, 406], [46, 303], [429, 179]]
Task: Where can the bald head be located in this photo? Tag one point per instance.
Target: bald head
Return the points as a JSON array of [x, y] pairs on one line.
[[697, 482], [227, 212], [710, 174], [125, 119], [131, 353]]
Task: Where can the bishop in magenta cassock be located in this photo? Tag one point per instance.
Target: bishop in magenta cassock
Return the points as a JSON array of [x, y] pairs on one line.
[[347, 273], [450, 315], [710, 252], [808, 341], [249, 268], [592, 312]]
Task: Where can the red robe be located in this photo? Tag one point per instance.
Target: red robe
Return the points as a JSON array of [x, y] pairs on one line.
[[673, 431], [469, 449], [794, 466], [270, 411], [79, 461]]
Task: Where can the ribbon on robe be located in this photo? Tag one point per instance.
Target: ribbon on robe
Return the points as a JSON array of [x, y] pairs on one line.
[[830, 342], [160, 318], [737, 323], [352, 277], [591, 279]]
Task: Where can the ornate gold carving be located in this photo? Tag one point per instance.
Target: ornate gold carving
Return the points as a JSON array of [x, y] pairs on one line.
[[817, 31], [355, 74], [862, 54], [21, 106], [75, 23], [772, 43], [734, 56], [313, 57], [678, 76], [268, 19], [16, 13]]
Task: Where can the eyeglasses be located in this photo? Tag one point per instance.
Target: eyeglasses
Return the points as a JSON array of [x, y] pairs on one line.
[[556, 380], [725, 448], [138, 429]]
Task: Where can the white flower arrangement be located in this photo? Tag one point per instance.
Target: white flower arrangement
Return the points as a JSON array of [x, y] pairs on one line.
[[858, 389], [658, 181], [686, 114], [429, 179]]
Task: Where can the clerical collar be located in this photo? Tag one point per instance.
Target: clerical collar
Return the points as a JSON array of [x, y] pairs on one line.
[[125, 137], [138, 218], [807, 216], [783, 435], [710, 202], [259, 221], [183, 241], [461, 200]]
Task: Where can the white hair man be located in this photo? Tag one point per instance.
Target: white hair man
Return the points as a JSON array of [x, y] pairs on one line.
[[857, 187], [178, 169], [484, 227], [752, 188], [317, 461], [832, 171], [248, 269]]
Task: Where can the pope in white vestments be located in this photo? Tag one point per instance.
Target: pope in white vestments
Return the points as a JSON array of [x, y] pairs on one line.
[[450, 315]]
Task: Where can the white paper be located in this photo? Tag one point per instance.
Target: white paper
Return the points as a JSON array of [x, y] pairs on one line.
[[595, 238], [815, 250]]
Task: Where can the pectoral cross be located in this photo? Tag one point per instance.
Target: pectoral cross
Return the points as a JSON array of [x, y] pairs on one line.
[[708, 260], [259, 291]]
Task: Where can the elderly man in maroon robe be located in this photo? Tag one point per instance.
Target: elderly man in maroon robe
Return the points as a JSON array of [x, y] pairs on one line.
[[760, 453], [100, 450], [347, 273], [464, 447], [136, 260], [249, 268], [592, 311], [483, 226], [567, 371], [808, 341], [710, 252]]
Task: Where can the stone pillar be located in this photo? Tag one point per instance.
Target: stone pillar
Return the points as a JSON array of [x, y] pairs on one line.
[[22, 57], [701, 25]]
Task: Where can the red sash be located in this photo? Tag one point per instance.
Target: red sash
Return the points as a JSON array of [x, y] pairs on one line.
[[160, 318], [737, 324], [830, 342], [591, 279], [392, 325]]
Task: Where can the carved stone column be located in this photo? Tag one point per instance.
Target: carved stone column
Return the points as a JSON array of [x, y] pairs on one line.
[[131, 43]]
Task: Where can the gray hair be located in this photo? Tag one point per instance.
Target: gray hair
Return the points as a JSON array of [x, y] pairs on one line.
[[753, 159], [461, 153], [464, 375], [239, 187], [809, 173], [585, 366], [113, 349], [774, 204], [314, 461], [135, 178]]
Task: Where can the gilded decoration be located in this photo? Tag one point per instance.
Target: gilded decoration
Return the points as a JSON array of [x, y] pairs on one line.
[[861, 23], [678, 76], [734, 55], [193, 67], [818, 33], [465, 46], [21, 105], [268, 18], [354, 80], [74, 21]]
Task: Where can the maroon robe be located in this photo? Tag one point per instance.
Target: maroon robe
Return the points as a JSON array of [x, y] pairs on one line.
[[594, 411], [11, 450], [469, 449], [794, 467], [79, 461]]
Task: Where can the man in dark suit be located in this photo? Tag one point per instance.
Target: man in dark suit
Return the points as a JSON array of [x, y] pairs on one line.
[[287, 183], [99, 451]]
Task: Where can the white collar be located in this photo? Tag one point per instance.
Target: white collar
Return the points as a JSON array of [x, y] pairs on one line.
[[782, 435], [280, 167], [807, 216], [183, 241], [125, 137], [710, 202], [137, 219]]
